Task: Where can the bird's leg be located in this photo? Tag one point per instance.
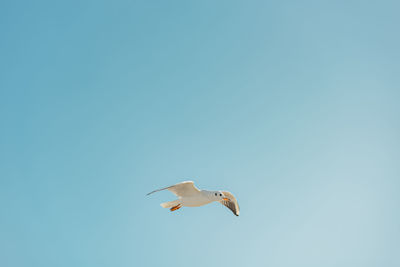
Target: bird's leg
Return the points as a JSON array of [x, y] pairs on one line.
[[177, 207]]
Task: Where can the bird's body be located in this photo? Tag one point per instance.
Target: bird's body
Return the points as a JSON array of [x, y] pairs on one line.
[[197, 201], [202, 198], [190, 196]]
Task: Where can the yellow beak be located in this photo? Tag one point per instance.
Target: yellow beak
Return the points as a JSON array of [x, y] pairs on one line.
[[226, 199]]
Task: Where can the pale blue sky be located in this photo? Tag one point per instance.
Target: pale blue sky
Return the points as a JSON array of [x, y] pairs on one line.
[[292, 105]]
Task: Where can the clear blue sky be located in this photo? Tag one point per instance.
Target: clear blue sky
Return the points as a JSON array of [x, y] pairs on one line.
[[294, 106]]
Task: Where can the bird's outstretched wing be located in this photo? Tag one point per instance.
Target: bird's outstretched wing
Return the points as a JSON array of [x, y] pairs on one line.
[[231, 204], [186, 188]]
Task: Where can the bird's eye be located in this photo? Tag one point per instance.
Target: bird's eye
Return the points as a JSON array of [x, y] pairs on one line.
[[215, 194], [220, 195]]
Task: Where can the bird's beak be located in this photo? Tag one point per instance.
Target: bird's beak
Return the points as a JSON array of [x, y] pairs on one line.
[[226, 199]]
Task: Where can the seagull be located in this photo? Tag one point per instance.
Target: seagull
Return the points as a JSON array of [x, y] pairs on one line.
[[190, 196]]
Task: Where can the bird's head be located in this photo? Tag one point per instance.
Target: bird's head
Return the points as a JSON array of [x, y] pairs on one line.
[[218, 195]]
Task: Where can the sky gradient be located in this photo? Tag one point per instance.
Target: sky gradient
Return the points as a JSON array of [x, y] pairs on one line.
[[293, 106]]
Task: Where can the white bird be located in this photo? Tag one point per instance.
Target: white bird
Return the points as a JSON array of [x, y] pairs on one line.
[[190, 196]]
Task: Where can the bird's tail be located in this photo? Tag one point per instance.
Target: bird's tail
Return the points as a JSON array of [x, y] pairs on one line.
[[170, 204]]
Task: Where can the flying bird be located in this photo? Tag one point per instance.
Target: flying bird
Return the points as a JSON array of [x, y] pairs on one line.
[[190, 196]]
